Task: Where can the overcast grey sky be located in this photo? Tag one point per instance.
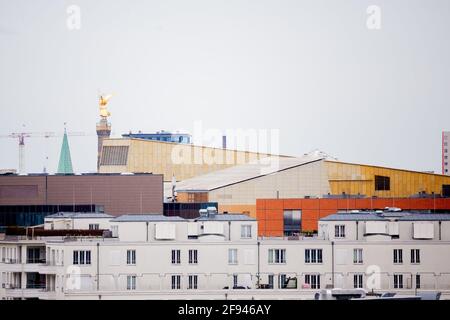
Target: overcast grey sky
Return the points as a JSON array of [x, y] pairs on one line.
[[309, 68]]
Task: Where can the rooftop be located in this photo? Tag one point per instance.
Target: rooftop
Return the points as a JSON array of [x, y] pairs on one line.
[[386, 216], [161, 218], [239, 173], [225, 217], [146, 218], [80, 215]]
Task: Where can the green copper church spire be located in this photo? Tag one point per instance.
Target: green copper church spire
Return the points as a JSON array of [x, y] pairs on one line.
[[65, 161]]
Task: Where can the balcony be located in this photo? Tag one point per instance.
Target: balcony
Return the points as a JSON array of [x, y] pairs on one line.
[[36, 261], [34, 291]]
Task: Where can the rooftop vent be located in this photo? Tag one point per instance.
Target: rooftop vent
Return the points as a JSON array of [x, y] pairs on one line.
[[392, 209], [211, 210]]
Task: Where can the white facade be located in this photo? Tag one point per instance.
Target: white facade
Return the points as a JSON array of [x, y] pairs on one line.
[[77, 221], [156, 257]]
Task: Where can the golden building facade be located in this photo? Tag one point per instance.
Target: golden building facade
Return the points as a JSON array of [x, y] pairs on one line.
[[362, 179], [183, 161]]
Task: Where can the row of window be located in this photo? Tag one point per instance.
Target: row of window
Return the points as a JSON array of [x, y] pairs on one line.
[[311, 281], [192, 256], [175, 279], [398, 256], [275, 256], [398, 281]]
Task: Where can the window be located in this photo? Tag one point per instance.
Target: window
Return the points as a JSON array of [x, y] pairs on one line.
[[176, 256], [131, 282], [282, 281], [94, 226], [358, 281], [33, 255], [446, 189], [246, 231], [193, 282], [131, 257], [193, 255], [415, 256], [270, 280], [115, 231], [232, 256], [382, 183], [339, 231], [312, 281], [313, 256], [176, 282], [277, 256], [398, 256], [417, 281], [357, 256], [292, 221], [235, 280], [82, 257], [398, 281]]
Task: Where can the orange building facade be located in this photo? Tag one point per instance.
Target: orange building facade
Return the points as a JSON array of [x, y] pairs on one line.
[[270, 212]]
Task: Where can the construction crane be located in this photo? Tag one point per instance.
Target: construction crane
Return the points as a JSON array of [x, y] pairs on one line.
[[21, 138]]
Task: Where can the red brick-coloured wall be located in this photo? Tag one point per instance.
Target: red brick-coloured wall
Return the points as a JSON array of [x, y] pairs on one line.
[[269, 212]]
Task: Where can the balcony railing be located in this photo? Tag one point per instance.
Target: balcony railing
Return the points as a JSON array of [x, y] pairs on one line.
[[36, 286], [36, 260], [11, 261]]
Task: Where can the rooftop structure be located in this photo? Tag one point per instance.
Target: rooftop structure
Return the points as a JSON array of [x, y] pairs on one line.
[[65, 160], [41, 194], [161, 136], [386, 216]]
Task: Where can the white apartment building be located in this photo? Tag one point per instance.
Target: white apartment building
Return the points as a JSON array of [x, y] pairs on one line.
[[220, 257]]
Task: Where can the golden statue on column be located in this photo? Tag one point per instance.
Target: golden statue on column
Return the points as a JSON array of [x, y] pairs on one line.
[[103, 103]]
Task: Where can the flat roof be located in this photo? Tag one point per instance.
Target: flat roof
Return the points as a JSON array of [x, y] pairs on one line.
[[146, 218], [162, 218], [387, 216], [126, 174], [80, 215], [225, 217]]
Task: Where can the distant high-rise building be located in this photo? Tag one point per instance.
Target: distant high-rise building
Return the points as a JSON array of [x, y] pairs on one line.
[[445, 153], [65, 161]]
